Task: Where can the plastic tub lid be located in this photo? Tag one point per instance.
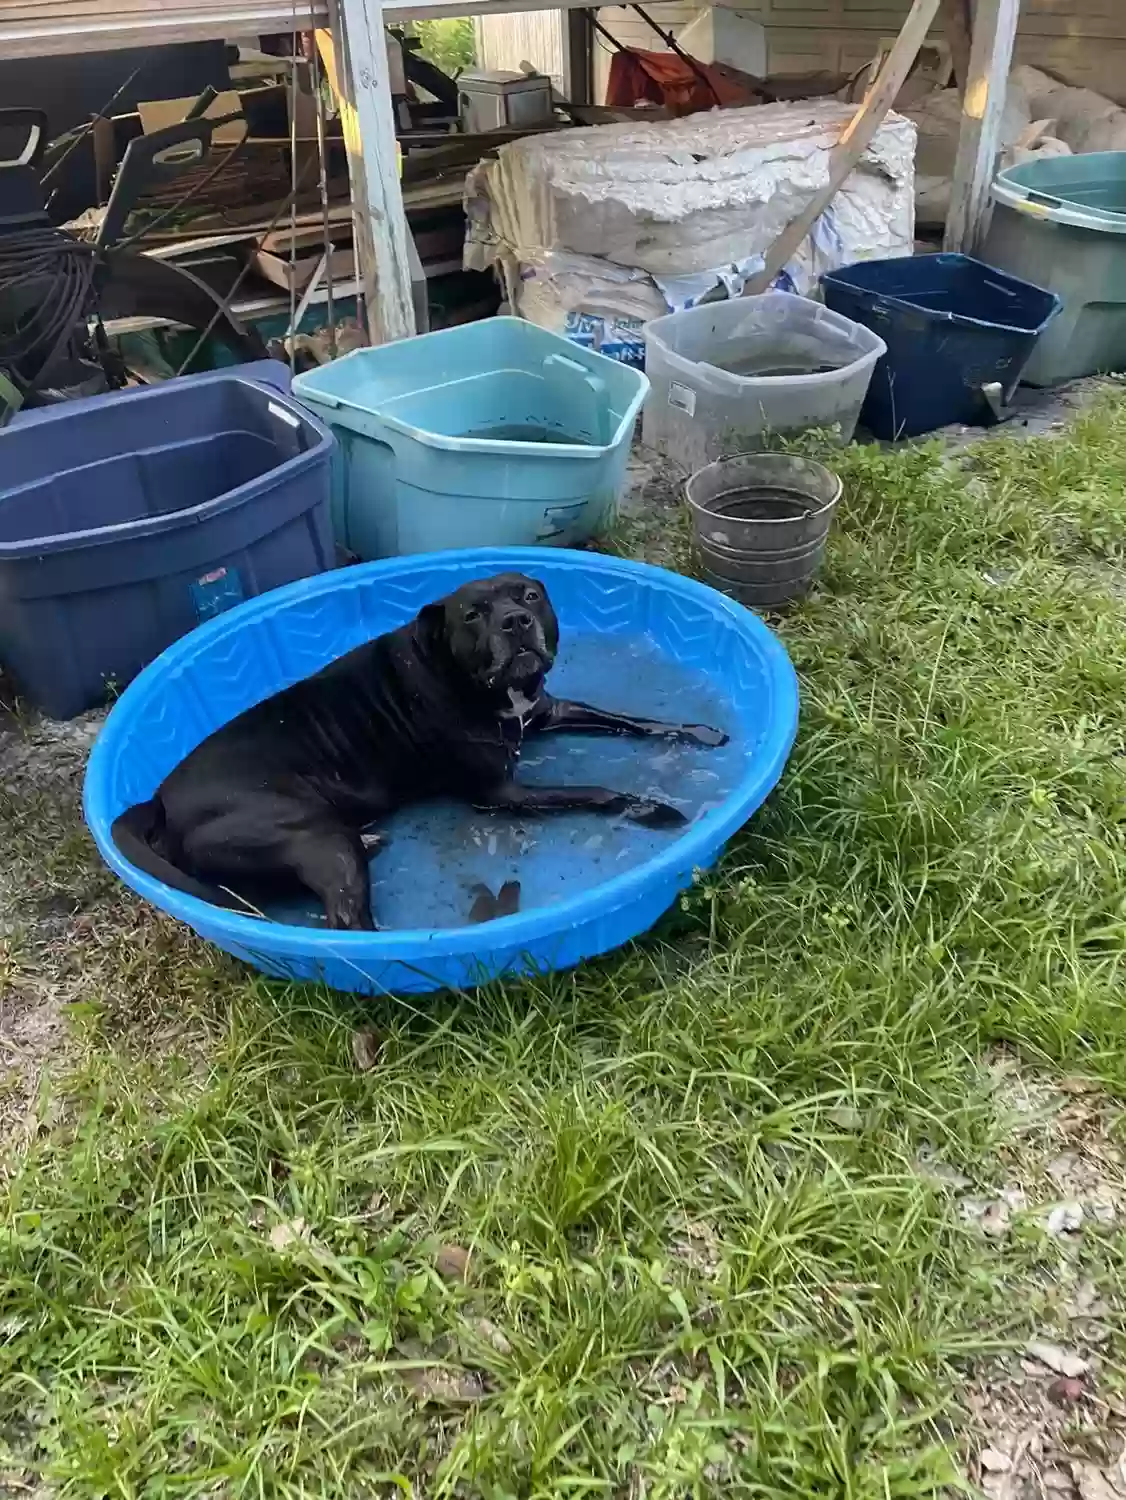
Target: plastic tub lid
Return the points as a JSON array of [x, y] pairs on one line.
[[1017, 188]]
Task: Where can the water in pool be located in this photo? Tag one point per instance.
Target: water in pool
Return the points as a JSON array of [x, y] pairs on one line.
[[437, 854]]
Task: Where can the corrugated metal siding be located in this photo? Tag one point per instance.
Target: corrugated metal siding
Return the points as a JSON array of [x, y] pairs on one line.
[[504, 42], [39, 28], [1083, 41]]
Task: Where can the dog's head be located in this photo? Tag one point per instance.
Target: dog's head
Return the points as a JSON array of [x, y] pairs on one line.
[[501, 633]]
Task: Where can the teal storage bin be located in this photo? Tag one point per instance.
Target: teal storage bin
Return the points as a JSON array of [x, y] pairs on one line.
[[1061, 223], [493, 434]]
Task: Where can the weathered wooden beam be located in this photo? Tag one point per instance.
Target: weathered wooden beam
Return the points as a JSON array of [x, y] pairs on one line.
[[578, 57], [355, 59], [979, 139], [854, 139]]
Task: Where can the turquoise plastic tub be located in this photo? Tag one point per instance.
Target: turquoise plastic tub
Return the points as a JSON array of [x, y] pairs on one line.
[[494, 434]]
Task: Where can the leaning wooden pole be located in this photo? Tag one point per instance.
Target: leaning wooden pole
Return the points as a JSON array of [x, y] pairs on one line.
[[854, 139]]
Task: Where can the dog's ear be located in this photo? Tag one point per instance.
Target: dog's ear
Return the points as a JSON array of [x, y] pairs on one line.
[[548, 618], [432, 624]]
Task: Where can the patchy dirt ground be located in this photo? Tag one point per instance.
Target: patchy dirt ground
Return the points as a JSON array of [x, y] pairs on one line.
[[1048, 1419], [41, 764]]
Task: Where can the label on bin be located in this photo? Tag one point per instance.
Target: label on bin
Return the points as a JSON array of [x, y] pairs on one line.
[[279, 411], [683, 397], [217, 591]]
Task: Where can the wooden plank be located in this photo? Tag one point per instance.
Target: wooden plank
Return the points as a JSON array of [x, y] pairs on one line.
[[100, 15], [979, 139], [308, 230], [444, 194], [48, 28], [105, 157], [355, 58], [854, 139], [175, 247], [25, 32], [297, 273]]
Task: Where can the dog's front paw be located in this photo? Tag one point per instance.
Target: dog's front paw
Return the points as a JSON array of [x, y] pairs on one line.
[[653, 814], [704, 734]]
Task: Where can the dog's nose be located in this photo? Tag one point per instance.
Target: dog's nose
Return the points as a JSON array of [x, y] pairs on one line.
[[519, 619]]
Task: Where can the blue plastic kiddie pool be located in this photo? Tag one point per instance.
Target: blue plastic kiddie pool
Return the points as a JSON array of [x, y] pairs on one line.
[[633, 638]]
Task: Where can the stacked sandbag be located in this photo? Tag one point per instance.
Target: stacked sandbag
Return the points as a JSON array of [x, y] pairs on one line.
[[596, 230], [938, 118], [1084, 121], [1042, 117]]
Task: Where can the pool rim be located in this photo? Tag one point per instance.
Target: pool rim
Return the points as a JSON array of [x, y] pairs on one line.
[[696, 846]]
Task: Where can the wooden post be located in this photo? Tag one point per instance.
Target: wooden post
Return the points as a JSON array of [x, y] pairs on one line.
[[991, 55], [355, 58], [578, 56], [854, 139]]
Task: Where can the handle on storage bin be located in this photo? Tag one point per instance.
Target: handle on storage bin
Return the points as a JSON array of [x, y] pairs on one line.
[[1045, 200], [1037, 198], [289, 429], [597, 387]]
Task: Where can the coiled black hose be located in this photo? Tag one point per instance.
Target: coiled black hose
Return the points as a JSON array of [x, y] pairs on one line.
[[46, 294]]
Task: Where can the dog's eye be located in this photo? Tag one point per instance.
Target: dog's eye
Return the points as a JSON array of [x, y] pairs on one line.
[[471, 615], [531, 596]]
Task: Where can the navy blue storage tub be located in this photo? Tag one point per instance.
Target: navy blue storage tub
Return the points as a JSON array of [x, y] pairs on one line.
[[951, 325], [127, 519]]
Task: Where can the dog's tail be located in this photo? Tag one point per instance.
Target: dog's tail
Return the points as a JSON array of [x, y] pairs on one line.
[[139, 835]]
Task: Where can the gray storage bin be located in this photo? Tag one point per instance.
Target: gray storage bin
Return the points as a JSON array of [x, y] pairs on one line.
[[1061, 223]]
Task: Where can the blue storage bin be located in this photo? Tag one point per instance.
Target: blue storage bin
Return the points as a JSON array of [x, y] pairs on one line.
[[951, 325], [127, 519], [497, 433]]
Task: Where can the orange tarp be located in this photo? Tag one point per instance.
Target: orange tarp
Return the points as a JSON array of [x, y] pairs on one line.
[[664, 78]]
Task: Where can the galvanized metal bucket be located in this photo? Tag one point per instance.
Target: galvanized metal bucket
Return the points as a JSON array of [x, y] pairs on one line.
[[761, 521]]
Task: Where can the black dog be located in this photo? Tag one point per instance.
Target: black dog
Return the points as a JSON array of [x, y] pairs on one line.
[[281, 795]]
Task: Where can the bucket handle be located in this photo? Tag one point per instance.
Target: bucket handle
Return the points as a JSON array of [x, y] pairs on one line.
[[597, 387]]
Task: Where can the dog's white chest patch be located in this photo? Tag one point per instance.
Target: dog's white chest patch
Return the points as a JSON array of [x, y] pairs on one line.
[[520, 706]]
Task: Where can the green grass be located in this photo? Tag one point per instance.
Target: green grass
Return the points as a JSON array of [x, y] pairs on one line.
[[704, 1257]]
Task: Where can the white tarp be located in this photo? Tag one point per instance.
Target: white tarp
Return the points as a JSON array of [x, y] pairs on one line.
[[624, 222]]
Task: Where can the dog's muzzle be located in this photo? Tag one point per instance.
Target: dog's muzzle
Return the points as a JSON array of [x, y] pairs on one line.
[[518, 657], [519, 665]]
